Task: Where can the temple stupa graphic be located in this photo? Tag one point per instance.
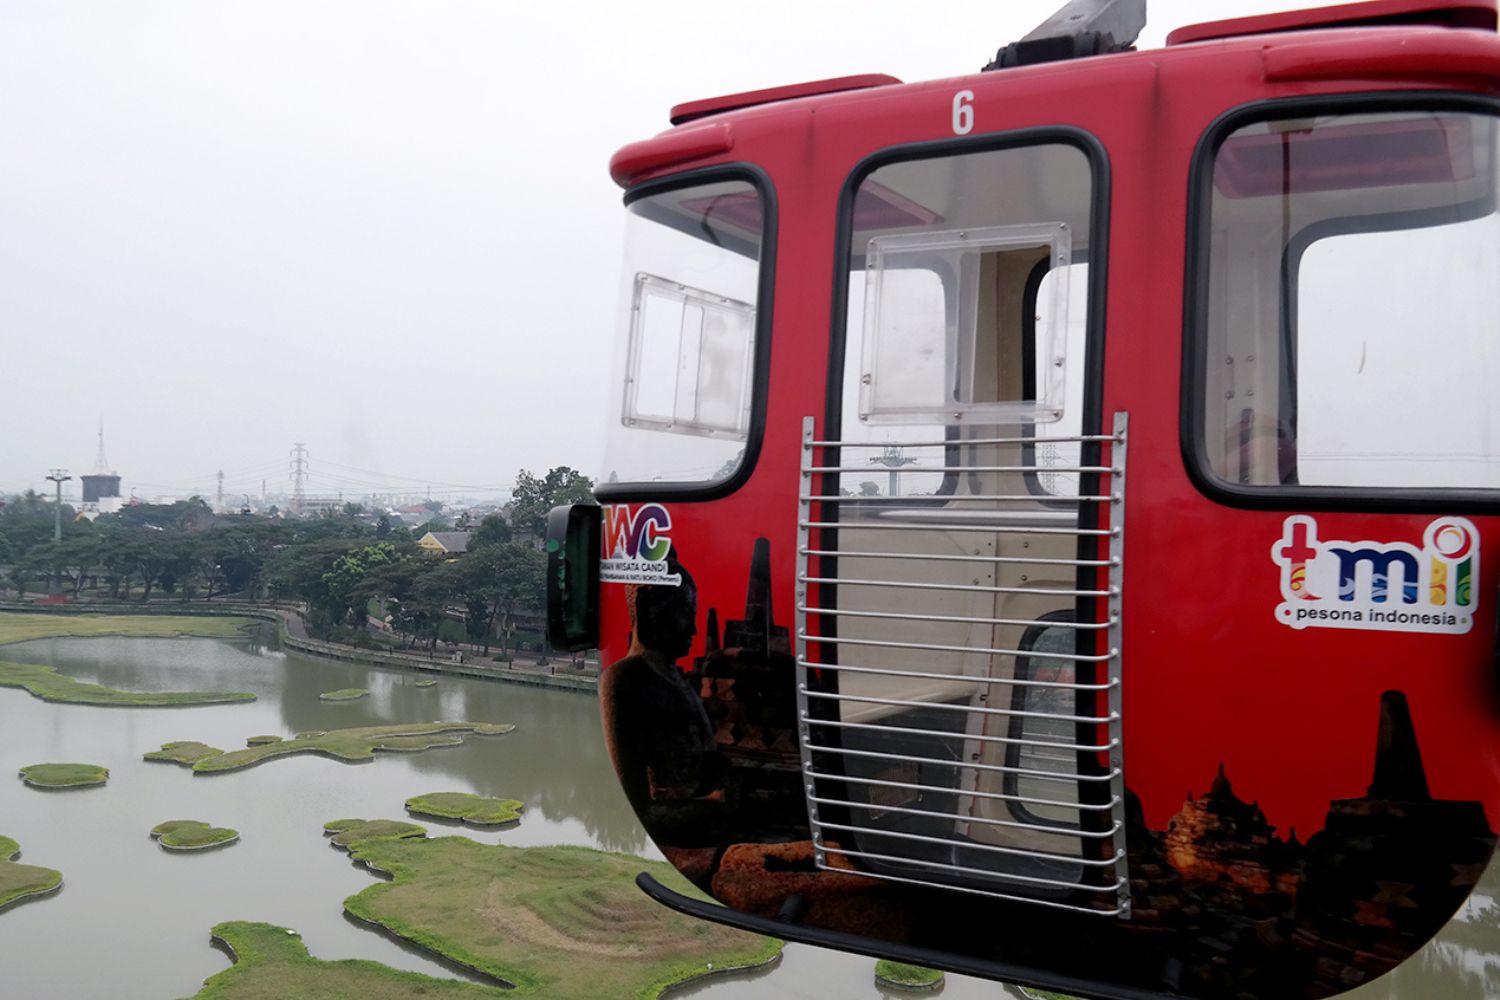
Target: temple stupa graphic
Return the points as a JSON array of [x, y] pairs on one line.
[[1261, 914], [747, 679], [1389, 869], [1224, 847]]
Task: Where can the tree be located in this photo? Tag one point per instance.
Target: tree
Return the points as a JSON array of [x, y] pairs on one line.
[[436, 524], [343, 579], [183, 558], [114, 557], [147, 551], [76, 558], [520, 584], [415, 593], [28, 521], [297, 572], [476, 580], [34, 564], [491, 531], [161, 516], [533, 498]]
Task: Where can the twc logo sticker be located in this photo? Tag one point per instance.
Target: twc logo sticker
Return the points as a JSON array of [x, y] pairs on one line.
[[636, 544], [1385, 586]]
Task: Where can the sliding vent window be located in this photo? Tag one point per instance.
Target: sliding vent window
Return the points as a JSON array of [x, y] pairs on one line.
[[682, 401], [689, 360], [1351, 336], [952, 329]]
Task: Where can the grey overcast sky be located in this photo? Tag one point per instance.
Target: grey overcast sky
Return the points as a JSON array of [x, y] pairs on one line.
[[384, 229]]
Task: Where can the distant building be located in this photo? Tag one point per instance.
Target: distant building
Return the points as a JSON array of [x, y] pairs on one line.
[[317, 506], [414, 515], [101, 489], [97, 487], [445, 543]]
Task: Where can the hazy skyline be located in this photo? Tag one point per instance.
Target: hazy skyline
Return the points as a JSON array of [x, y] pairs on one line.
[[385, 230]]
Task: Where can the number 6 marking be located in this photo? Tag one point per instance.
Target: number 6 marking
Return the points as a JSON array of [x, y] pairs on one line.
[[963, 112]]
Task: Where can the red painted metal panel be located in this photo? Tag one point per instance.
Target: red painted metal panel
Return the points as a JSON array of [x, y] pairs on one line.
[[674, 149], [1212, 679], [1449, 13], [1427, 56], [693, 110]]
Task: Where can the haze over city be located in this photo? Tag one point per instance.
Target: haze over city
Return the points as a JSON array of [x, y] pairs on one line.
[[384, 230]]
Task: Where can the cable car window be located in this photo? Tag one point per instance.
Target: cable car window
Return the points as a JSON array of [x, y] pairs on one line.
[[1373, 385], [1351, 322], [1042, 742], [943, 332], [1053, 457], [682, 398]]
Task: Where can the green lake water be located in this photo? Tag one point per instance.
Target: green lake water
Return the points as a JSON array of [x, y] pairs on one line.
[[132, 920]]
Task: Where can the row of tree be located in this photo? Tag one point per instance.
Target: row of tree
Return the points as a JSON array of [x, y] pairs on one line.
[[338, 567]]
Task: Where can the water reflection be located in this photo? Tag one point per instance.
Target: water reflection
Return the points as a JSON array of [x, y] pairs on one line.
[[1463, 961], [560, 770]]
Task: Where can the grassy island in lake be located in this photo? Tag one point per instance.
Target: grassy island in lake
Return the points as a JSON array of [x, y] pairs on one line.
[[272, 963], [192, 835], [356, 744], [185, 752], [473, 809], [907, 977], [18, 881], [347, 831], [343, 694], [49, 685], [64, 775], [554, 921]]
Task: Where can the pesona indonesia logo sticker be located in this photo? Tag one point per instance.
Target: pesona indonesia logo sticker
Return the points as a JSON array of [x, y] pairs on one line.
[[636, 544], [1387, 586]]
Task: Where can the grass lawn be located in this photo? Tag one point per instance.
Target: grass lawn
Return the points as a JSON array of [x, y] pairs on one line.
[[343, 694], [64, 775], [272, 963], [473, 809], [358, 743], [20, 626], [18, 881], [49, 685], [558, 922], [192, 835], [903, 976]]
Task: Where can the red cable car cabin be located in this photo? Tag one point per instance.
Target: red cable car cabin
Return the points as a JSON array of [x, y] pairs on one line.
[[1049, 523]]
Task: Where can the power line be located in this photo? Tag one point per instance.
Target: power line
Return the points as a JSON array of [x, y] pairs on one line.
[[415, 480]]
